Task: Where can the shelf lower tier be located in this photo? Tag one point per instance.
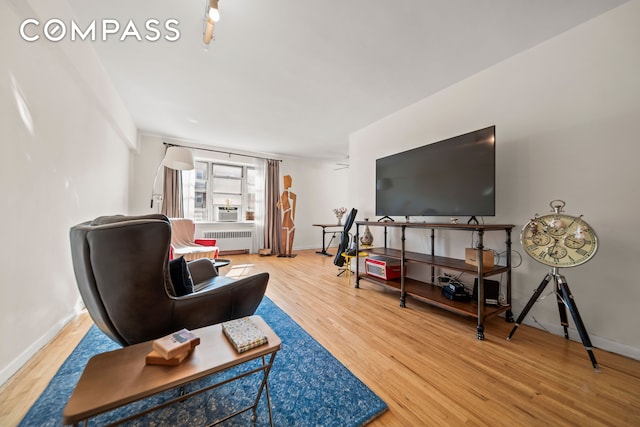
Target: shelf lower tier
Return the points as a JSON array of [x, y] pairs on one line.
[[433, 295]]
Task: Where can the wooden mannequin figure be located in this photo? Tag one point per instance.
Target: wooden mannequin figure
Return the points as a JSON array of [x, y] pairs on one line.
[[287, 203]]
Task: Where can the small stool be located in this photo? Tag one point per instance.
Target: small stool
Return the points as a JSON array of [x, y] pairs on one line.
[[347, 259]]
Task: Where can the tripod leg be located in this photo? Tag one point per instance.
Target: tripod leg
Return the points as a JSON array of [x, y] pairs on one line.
[[573, 309], [532, 301], [562, 309]]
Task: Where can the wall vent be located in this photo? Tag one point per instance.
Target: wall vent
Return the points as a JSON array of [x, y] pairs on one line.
[[227, 234], [231, 240]]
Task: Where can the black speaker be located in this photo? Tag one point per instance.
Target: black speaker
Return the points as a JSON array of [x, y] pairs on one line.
[[491, 291]]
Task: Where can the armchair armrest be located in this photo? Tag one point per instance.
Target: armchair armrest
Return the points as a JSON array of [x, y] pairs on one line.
[[231, 299], [202, 270]]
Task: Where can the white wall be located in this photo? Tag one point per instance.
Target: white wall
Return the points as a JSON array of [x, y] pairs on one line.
[[65, 160], [320, 188], [567, 116], [145, 163]]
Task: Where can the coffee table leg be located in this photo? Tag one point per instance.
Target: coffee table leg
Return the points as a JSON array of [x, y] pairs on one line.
[[264, 386]]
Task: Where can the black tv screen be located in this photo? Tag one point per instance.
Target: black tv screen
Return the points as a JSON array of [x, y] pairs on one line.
[[453, 177]]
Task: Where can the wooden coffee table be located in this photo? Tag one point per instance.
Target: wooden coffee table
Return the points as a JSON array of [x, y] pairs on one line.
[[116, 378]]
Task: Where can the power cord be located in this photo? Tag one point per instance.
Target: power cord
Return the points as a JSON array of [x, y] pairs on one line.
[[539, 324], [497, 256], [444, 279]]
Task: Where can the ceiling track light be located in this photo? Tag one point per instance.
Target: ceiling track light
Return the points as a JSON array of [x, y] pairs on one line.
[[212, 15]]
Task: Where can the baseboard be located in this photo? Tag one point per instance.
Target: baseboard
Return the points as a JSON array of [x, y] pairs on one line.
[[598, 342], [308, 248], [32, 350], [234, 252], [305, 248]]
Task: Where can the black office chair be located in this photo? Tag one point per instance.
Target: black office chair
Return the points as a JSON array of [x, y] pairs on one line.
[[344, 239]]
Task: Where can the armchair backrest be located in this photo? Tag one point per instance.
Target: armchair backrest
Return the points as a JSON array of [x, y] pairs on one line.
[[183, 232], [121, 267]]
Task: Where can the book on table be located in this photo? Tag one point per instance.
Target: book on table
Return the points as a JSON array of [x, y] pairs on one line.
[[175, 344], [243, 334], [155, 358]]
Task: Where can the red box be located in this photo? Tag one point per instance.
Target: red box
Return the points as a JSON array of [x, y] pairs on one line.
[[382, 267]]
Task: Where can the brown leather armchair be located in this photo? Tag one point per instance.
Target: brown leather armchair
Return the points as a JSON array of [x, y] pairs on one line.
[[121, 264]]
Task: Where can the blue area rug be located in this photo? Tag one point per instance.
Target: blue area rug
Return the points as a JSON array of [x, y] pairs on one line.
[[309, 387]]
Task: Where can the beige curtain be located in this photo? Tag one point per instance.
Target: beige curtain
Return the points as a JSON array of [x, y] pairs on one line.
[[172, 191], [273, 222]]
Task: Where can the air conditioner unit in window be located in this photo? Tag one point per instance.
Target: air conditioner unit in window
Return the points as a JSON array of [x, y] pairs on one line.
[[229, 214]]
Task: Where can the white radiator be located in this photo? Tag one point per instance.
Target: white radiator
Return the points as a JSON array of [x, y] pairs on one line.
[[231, 240]]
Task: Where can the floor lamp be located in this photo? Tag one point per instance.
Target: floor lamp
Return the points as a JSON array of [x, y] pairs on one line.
[[177, 158]]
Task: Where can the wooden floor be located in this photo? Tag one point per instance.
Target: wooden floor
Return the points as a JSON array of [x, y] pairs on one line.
[[426, 363]]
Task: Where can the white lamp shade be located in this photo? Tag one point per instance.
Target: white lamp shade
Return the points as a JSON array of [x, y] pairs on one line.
[[179, 158], [214, 13]]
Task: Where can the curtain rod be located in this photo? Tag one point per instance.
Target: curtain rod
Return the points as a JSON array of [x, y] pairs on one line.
[[220, 151]]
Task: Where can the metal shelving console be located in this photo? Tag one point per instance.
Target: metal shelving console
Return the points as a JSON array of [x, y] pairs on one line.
[[430, 292]]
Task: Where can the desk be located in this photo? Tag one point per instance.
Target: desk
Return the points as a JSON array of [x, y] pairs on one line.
[[324, 226], [116, 378]]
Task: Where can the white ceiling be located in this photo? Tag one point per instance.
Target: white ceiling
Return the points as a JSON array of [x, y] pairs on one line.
[[296, 77]]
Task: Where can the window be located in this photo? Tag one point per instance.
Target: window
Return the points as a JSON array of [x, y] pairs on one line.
[[221, 192], [252, 189]]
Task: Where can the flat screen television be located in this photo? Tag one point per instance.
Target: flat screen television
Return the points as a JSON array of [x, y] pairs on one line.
[[454, 177]]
